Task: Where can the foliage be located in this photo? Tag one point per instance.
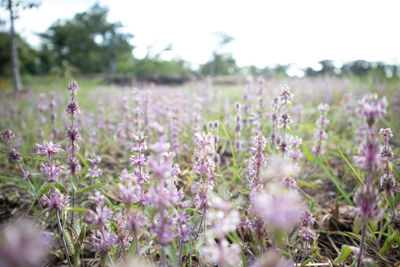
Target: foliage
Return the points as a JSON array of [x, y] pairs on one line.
[[87, 42], [27, 56]]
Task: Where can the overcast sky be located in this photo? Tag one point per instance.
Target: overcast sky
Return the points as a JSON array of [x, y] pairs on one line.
[[266, 32]]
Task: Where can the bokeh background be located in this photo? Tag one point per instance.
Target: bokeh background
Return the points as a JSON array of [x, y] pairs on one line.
[[177, 41]]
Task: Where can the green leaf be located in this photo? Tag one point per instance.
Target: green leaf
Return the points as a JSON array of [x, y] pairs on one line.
[[74, 182], [309, 185], [88, 188], [84, 162], [388, 242], [68, 241], [190, 210], [244, 263], [76, 209], [9, 185], [44, 188], [308, 154], [344, 253], [77, 227], [309, 260], [61, 188], [330, 176], [348, 163]]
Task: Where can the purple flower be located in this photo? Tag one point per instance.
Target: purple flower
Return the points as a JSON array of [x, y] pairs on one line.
[[48, 148], [126, 177], [168, 196], [160, 146], [257, 160], [23, 244], [103, 241], [164, 229], [51, 171], [222, 254], [372, 108], [95, 160], [73, 87], [288, 182], [320, 133], [128, 194], [181, 219], [368, 153], [124, 239], [323, 107], [73, 107], [285, 94], [295, 152], [135, 220], [386, 152], [101, 217], [201, 191], [54, 201], [222, 217], [322, 121], [388, 183], [284, 120], [307, 219], [73, 133], [98, 198], [95, 171], [273, 259], [258, 227], [140, 144], [386, 133], [367, 200], [139, 159], [307, 233], [14, 155], [7, 136], [238, 126], [280, 209], [73, 165]]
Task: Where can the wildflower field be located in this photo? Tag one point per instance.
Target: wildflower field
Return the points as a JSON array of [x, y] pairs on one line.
[[295, 172]]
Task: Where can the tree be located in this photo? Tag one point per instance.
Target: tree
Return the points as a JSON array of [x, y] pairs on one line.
[[223, 64], [26, 55], [219, 61], [14, 50], [88, 42], [12, 7]]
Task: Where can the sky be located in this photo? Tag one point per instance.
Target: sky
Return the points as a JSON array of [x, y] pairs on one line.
[[266, 33]]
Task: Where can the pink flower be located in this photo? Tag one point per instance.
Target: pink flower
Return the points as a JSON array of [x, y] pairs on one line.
[[222, 254], [55, 200], [372, 108], [278, 208], [47, 148], [23, 244], [367, 200], [307, 233], [73, 86]]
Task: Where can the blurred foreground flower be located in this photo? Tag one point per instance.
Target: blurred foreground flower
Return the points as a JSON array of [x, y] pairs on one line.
[[222, 254], [279, 208], [22, 244], [272, 259]]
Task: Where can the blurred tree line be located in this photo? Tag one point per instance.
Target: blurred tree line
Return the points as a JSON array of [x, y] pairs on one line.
[[89, 44]]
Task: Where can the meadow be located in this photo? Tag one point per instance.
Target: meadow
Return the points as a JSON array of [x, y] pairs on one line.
[[276, 172]]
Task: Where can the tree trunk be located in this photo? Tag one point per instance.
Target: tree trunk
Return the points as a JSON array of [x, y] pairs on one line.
[[14, 50]]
